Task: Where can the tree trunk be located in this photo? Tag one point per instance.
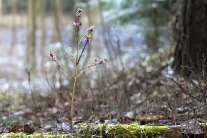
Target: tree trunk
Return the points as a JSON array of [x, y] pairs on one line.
[[2, 7], [105, 32], [42, 28], [57, 19], [14, 13], [31, 56], [151, 38], [190, 34]]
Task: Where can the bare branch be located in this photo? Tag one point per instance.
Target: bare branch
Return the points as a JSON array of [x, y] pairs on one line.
[[83, 69], [64, 70]]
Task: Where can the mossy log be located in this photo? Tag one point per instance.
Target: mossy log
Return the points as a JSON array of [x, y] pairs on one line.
[[90, 130], [119, 131]]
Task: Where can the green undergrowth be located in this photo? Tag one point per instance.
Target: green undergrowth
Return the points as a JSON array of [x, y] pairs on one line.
[[22, 135], [119, 131]]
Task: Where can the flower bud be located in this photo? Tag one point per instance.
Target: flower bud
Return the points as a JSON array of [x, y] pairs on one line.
[[88, 38], [52, 56], [90, 29], [102, 61], [78, 24], [79, 12]]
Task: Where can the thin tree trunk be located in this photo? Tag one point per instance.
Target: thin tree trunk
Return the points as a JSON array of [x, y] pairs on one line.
[[42, 28], [105, 33], [3, 7], [57, 19], [14, 11], [31, 56], [58, 23]]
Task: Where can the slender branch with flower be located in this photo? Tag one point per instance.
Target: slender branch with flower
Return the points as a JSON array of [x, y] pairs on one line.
[[78, 57]]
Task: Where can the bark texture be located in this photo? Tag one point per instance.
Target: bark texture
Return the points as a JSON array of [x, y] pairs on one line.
[[190, 35]]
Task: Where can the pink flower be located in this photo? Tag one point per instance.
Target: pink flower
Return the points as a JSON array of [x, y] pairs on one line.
[[78, 24], [52, 56], [88, 38], [79, 13], [90, 29], [102, 61]]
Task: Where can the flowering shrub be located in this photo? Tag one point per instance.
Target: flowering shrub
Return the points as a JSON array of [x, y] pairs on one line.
[[78, 57]]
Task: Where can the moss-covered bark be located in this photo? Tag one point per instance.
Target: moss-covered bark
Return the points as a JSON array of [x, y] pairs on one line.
[[89, 130], [119, 131]]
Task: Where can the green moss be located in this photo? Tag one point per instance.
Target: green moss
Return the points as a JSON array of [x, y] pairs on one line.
[[119, 130], [22, 135], [153, 131], [85, 130], [122, 131]]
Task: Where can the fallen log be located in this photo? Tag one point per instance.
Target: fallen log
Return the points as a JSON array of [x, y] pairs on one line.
[[136, 131]]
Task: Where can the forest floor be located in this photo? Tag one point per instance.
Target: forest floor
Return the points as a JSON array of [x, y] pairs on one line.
[[162, 103]]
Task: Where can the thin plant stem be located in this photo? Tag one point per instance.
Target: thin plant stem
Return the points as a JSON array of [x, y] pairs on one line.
[[77, 72], [72, 101], [69, 55], [77, 50], [83, 69], [64, 70], [81, 53], [81, 39], [33, 99], [74, 81]]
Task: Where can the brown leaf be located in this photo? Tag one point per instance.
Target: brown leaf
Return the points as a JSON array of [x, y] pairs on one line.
[[15, 129]]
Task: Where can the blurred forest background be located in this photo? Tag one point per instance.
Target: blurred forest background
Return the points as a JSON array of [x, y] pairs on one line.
[[125, 32], [156, 51]]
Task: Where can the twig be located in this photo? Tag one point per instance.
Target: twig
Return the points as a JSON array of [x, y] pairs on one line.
[[81, 53], [174, 82], [81, 39], [33, 99], [64, 70], [83, 69]]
